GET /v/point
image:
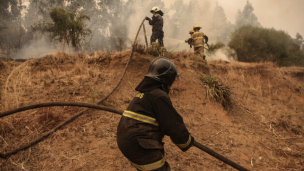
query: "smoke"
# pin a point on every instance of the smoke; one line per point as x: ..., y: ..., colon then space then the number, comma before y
x: 179, y: 19
x: 39, y: 48
x: 225, y: 54
x: 115, y: 23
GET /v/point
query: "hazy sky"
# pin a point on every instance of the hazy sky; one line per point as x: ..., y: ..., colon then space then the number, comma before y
x: 284, y: 15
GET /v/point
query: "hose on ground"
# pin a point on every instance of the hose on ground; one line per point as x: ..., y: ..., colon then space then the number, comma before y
x: 88, y: 105
x: 52, y: 104
x: 109, y: 109
x: 26, y: 146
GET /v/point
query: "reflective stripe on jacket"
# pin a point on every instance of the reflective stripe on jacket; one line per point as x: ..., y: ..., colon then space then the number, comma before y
x: 140, y: 117
x: 186, y: 144
x: 198, y: 39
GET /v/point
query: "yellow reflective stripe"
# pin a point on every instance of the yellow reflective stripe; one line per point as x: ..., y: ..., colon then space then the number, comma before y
x: 198, y: 38
x: 199, y: 45
x: 151, y: 166
x: 140, y: 117
x: 185, y: 145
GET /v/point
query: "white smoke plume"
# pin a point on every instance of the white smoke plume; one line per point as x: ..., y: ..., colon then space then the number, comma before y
x: 225, y: 54
x: 41, y: 47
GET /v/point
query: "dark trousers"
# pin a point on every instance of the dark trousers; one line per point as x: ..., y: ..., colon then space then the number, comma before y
x: 159, y: 35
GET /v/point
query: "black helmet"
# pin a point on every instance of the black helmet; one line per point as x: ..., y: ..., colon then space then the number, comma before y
x: 163, y: 70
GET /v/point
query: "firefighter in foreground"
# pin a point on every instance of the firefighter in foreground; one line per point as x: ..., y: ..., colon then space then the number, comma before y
x: 190, y: 40
x: 149, y: 117
x: 157, y: 24
x: 198, y: 41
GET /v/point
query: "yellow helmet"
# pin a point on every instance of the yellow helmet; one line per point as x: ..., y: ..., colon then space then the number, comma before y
x: 196, y: 27
x: 191, y: 31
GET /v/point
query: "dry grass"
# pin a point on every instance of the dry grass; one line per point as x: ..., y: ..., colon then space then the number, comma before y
x: 140, y: 47
x: 258, y: 139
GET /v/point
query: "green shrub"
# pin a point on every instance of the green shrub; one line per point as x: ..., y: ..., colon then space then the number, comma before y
x: 255, y: 44
x: 155, y: 49
x: 217, y: 91
x: 68, y: 26
x: 216, y: 46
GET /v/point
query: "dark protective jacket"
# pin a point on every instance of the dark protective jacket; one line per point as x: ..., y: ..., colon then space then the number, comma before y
x: 143, y: 125
x: 157, y: 23
x: 198, y: 39
x: 189, y: 41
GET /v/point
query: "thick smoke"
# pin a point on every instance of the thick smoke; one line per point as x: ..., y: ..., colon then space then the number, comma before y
x: 179, y: 19
x: 114, y: 25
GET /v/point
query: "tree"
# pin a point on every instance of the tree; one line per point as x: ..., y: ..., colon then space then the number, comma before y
x: 67, y: 26
x: 256, y: 44
x: 10, y: 10
x: 299, y: 40
x: 247, y: 17
x: 11, y: 30
x: 176, y: 19
x: 38, y: 10
x: 221, y: 28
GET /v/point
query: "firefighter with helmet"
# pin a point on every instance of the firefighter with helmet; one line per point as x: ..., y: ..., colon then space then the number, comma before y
x: 157, y: 24
x: 190, y: 40
x: 198, y: 41
x: 149, y: 117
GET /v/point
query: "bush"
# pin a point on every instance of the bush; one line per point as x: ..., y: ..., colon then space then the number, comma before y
x: 216, y: 46
x: 155, y: 49
x: 139, y: 47
x: 68, y: 26
x: 217, y: 91
x: 255, y: 44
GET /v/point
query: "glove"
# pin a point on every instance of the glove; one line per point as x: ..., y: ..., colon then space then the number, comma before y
x: 147, y: 18
x: 206, y: 38
x: 190, y: 145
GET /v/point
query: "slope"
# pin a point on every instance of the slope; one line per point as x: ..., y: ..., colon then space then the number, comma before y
x: 262, y: 131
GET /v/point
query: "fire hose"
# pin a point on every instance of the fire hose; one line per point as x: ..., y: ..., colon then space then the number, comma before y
x: 99, y: 107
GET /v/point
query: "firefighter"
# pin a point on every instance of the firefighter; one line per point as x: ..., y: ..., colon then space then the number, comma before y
x: 149, y: 117
x: 198, y: 41
x: 190, y: 40
x: 157, y: 23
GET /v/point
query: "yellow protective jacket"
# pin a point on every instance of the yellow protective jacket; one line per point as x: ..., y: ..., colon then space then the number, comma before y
x: 198, y: 39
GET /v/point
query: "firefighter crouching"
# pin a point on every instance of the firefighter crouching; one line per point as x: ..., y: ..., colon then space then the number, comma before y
x: 149, y: 117
x: 198, y: 41
x: 157, y: 23
x: 190, y: 40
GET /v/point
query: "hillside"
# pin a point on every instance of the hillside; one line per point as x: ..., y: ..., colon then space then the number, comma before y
x: 263, y: 130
